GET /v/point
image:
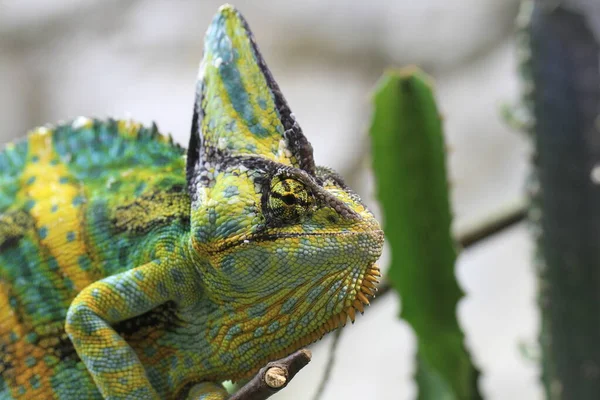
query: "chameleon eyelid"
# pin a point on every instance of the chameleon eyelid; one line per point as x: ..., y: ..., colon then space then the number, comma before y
x: 323, y: 196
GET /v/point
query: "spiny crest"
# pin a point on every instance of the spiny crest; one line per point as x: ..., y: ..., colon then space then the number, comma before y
x: 239, y: 109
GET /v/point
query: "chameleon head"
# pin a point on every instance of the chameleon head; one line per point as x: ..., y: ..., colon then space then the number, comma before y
x: 284, y: 246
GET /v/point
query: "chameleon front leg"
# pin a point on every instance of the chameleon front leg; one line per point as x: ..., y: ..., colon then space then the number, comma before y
x: 113, y: 364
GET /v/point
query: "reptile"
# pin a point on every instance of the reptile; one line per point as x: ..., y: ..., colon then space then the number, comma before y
x: 133, y: 268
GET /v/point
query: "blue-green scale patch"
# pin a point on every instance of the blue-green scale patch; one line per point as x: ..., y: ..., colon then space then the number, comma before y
x: 31, y: 337
x: 33, y: 275
x: 29, y: 204
x: 177, y: 275
x: 78, y: 200
x: 43, y: 232
x: 68, y: 283
x: 228, y: 228
x: 51, y: 360
x: 95, y: 153
x: 84, y: 262
x: 188, y: 362
x: 162, y: 289
x: 243, y: 348
x: 258, y: 332
x: 139, y: 190
x: 245, y: 365
x: 206, y: 364
x: 212, y: 217
x: 231, y: 191
x: 262, y: 103
x: 307, y: 318
x: 291, y: 327
x: 12, y: 163
x: 34, y: 381
x: 219, y: 46
x: 288, y: 305
x: 314, y: 293
x: 72, y: 377
x: 213, y: 332
x: 273, y: 327
x: 257, y: 310
x: 30, y: 361
x: 228, y: 264
x: 226, y: 358
x: 232, y: 332
x: 3, y: 388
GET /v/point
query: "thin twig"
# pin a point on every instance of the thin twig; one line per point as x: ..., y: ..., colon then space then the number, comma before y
x: 273, y: 377
x: 330, y: 364
x: 503, y: 218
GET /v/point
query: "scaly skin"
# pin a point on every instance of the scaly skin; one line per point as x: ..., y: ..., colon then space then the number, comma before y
x: 129, y: 269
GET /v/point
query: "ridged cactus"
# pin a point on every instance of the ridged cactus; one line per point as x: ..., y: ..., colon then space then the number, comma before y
x: 561, y: 80
x: 409, y: 162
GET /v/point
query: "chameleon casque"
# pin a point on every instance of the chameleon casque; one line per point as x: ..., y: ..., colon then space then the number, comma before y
x: 132, y: 268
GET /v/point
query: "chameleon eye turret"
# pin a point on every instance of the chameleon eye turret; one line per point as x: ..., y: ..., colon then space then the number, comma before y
x: 289, y: 200
x: 133, y: 268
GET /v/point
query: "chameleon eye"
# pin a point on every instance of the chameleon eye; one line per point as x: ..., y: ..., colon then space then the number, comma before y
x: 289, y: 200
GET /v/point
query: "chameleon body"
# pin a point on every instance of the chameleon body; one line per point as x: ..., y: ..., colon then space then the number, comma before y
x: 132, y: 268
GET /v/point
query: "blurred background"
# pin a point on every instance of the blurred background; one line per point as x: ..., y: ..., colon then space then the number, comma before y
x: 138, y: 59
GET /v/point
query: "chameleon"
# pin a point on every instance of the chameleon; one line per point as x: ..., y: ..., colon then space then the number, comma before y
x: 133, y: 268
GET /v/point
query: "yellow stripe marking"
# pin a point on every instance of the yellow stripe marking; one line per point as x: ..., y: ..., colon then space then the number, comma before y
x: 58, y: 220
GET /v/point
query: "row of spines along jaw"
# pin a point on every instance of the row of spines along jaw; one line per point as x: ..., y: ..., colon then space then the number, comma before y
x: 367, y: 289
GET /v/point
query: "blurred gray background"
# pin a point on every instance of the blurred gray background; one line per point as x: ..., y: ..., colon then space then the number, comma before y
x: 138, y: 59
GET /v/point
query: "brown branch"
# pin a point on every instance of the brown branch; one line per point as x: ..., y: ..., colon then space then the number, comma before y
x: 273, y: 377
x: 505, y: 217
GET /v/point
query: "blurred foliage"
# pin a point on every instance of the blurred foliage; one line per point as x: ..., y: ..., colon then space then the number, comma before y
x: 410, y: 168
